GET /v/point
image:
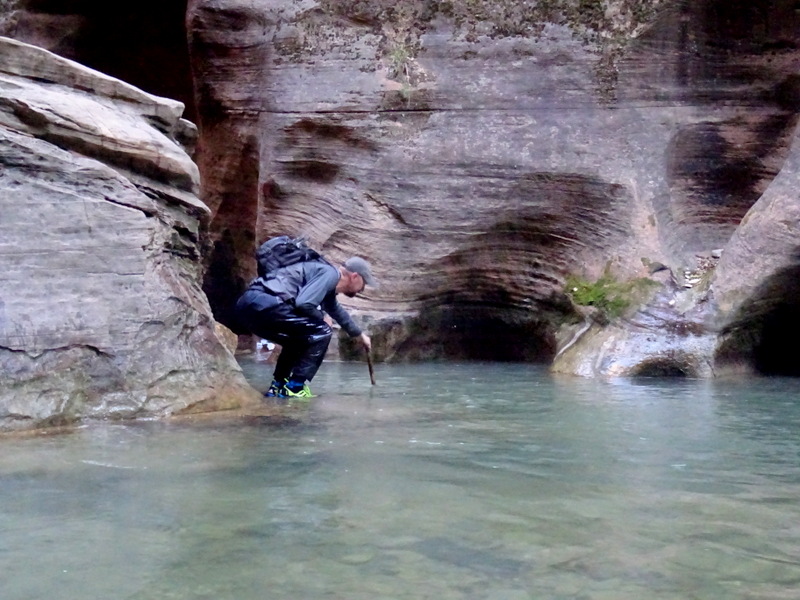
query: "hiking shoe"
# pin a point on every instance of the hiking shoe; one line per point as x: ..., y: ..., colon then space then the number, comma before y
x: 276, y: 390
x: 303, y: 393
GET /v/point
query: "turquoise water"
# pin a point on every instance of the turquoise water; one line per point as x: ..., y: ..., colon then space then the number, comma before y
x: 476, y: 481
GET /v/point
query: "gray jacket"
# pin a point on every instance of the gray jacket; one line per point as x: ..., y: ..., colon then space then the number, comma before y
x: 309, y: 286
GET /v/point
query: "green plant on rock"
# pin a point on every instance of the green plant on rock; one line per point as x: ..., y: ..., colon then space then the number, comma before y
x: 399, y: 57
x: 611, y: 297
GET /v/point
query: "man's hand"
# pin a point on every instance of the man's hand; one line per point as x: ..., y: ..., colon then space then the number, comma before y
x: 365, y: 341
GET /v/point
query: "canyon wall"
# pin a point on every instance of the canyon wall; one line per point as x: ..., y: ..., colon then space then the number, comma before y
x: 603, y: 186
x: 485, y: 154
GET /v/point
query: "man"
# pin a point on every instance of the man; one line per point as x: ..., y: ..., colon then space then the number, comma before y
x: 285, y: 308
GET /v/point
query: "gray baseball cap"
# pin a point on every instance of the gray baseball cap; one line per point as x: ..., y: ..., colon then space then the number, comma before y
x: 356, y: 264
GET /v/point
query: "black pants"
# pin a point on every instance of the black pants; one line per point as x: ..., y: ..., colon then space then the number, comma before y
x: 304, y: 340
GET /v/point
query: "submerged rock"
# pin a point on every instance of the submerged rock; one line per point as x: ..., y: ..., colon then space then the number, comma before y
x: 101, y: 310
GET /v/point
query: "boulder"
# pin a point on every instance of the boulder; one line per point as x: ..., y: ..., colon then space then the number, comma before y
x: 101, y: 310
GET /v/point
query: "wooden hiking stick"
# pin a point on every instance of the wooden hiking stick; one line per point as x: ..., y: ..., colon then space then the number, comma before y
x: 369, y: 364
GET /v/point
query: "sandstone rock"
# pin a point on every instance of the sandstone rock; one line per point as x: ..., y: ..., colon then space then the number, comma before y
x: 228, y: 339
x: 757, y: 282
x: 474, y: 194
x: 101, y: 311
x: 229, y: 51
x: 660, y: 340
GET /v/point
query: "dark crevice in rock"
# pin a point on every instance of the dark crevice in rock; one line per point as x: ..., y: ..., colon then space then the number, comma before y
x: 776, y: 352
x: 662, y: 368
x: 182, y: 243
x: 230, y: 265
x: 47, y: 353
x: 121, y: 158
x: 149, y: 213
x: 169, y: 197
x: 463, y: 331
x: 224, y: 282
x: 14, y: 417
x: 764, y: 334
x: 143, y: 43
x: 387, y: 209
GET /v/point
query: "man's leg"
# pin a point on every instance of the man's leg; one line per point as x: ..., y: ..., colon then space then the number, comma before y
x: 318, y: 339
x: 289, y: 355
x: 261, y: 315
x: 304, y: 342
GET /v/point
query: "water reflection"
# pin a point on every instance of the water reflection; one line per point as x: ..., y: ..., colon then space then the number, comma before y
x: 446, y: 481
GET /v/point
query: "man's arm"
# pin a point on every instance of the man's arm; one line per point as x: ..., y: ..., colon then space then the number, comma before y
x: 331, y: 306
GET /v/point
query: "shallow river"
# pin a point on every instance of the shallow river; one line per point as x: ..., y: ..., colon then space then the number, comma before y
x: 441, y: 482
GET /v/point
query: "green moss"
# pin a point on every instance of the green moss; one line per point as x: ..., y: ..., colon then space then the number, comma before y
x: 611, y: 297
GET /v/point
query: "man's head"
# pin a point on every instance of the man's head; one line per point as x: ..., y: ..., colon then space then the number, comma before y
x: 356, y: 274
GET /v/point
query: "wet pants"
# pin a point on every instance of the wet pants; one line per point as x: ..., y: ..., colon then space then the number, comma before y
x: 304, y: 340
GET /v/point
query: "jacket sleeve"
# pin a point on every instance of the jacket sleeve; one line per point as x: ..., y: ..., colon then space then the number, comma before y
x: 331, y: 306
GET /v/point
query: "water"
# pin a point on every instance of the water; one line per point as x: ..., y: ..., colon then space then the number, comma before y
x: 496, y: 482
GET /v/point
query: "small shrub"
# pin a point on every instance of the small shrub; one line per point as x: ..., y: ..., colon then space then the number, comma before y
x: 608, y: 295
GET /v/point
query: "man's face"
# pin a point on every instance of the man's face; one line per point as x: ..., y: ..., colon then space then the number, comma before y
x: 355, y: 285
